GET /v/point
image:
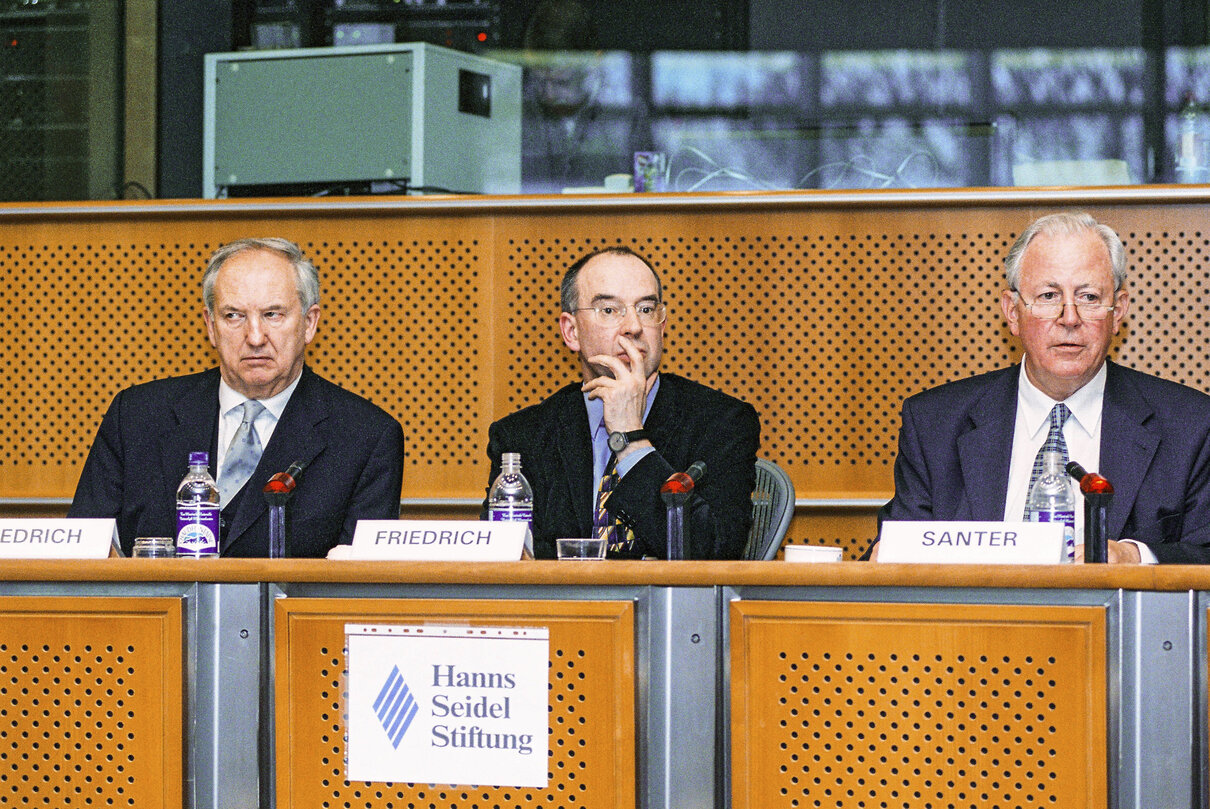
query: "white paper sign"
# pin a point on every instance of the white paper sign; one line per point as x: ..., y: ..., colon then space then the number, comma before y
x: 969, y: 542
x: 57, y: 538
x: 438, y: 540
x: 448, y: 704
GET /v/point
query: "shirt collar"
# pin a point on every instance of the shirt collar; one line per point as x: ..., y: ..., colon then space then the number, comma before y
x: 229, y: 398
x: 596, y: 408
x: 1084, y: 404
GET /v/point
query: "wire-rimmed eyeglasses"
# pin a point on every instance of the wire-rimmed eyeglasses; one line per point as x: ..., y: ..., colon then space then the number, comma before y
x: 649, y: 313
x: 1053, y: 310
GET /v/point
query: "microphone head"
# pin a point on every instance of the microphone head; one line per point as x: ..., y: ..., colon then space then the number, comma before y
x: 281, y: 483
x: 1095, y: 484
x: 683, y: 482
x: 284, y: 482
x: 1090, y: 482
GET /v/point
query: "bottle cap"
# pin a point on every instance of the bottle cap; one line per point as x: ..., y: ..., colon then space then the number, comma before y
x: 199, y: 459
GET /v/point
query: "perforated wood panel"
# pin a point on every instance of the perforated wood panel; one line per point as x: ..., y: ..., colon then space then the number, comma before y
x: 90, y: 702
x: 851, y: 530
x: 592, y: 707
x: 891, y: 705
x: 823, y: 316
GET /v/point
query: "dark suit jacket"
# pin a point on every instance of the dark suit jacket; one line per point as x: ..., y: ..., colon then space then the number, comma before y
x: 353, y: 451
x: 688, y: 422
x: 955, y: 448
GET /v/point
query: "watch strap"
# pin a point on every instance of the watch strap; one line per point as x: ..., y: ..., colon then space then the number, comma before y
x: 630, y: 438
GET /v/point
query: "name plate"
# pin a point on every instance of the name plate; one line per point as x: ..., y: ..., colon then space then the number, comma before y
x: 968, y: 542
x: 57, y: 538
x: 438, y: 540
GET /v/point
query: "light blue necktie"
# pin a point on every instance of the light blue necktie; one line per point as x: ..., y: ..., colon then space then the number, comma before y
x: 242, y: 456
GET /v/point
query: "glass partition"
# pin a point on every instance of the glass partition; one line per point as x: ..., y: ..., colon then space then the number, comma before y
x: 933, y: 95
x: 867, y: 119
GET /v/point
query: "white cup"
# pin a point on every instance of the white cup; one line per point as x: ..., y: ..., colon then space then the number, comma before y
x: 813, y: 553
x: 580, y: 549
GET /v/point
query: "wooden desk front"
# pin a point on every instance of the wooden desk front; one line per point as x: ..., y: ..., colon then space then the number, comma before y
x: 713, y: 684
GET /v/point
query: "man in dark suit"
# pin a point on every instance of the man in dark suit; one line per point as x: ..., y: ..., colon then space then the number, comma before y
x: 261, y: 309
x: 615, y: 437
x: 966, y: 449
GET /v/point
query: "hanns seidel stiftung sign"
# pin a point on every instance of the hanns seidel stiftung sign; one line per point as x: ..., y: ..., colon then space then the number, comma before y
x: 448, y: 704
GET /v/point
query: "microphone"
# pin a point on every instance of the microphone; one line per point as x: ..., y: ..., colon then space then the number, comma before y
x: 1097, y: 493
x: 1090, y: 482
x: 683, y: 482
x: 283, y: 483
x: 675, y: 493
x: 277, y: 492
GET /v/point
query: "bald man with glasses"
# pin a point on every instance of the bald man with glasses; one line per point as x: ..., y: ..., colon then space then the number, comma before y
x: 597, y: 451
x: 968, y: 449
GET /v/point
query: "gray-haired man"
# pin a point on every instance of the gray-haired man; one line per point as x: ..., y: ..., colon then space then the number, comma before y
x: 967, y: 449
x: 258, y: 412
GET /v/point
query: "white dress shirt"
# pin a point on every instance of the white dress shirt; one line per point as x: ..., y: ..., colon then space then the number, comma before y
x: 230, y: 414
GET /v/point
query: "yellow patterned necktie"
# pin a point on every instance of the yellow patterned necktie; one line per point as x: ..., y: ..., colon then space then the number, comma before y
x: 619, y: 538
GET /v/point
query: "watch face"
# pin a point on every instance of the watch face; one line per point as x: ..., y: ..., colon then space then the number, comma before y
x: 617, y: 441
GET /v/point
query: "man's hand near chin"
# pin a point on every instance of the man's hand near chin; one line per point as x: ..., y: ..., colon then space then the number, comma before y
x: 1120, y: 553
x: 624, y: 394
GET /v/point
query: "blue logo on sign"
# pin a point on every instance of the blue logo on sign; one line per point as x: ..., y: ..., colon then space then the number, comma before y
x: 395, y: 707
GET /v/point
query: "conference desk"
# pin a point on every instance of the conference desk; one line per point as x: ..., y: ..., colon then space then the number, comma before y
x: 751, y: 684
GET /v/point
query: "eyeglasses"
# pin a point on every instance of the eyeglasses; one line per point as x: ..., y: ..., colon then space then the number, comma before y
x: 1053, y: 310
x: 649, y: 313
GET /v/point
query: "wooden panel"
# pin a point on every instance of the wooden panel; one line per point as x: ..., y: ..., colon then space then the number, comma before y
x: 917, y: 705
x: 592, y: 707
x: 90, y: 701
x: 824, y: 315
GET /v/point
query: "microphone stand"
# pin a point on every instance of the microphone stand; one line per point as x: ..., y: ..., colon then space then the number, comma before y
x: 1096, y: 521
x: 675, y: 503
x: 277, y: 525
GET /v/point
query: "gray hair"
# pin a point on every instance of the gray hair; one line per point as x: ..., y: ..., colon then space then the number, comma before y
x: 1067, y: 223
x: 569, y: 296
x: 306, y: 280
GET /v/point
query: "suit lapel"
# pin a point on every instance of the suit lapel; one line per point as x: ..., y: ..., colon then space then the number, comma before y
x: 295, y: 438
x: 985, y: 450
x: 1127, y: 445
x: 196, y: 415
x: 575, y: 456
x: 660, y: 423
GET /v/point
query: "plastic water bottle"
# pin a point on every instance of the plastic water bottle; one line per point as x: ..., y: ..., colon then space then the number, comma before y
x: 511, y: 498
x: 1052, y: 499
x: 197, y: 510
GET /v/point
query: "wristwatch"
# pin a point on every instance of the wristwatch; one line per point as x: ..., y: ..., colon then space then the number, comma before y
x: 619, y: 441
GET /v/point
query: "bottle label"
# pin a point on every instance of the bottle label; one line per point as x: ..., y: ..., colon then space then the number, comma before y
x: 197, y: 529
x: 510, y: 514
x: 1068, y: 518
